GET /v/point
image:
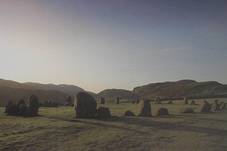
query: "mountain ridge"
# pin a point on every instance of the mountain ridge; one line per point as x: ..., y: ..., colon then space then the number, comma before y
x: 12, y: 90
x: 181, y: 88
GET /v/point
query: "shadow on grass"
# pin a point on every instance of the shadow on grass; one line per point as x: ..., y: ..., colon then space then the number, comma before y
x: 127, y: 123
x: 173, y: 126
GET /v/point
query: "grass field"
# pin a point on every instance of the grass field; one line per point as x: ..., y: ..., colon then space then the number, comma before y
x: 56, y: 129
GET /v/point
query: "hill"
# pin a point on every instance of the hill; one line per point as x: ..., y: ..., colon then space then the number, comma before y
x: 68, y: 89
x: 114, y: 93
x: 182, y: 88
x: 12, y: 90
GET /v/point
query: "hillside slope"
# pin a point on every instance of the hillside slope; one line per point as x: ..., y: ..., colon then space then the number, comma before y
x: 68, y: 89
x: 15, y: 94
x: 182, y: 88
x: 12, y: 90
x: 114, y: 93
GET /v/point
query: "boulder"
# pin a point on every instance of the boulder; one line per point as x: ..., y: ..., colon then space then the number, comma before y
x: 129, y: 113
x: 187, y: 110
x: 162, y: 112
x: 193, y: 102
x: 103, y: 112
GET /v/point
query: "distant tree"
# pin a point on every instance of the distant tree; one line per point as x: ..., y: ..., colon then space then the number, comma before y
x: 33, y: 105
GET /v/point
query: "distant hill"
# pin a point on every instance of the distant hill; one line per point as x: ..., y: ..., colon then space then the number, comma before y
x: 68, y: 89
x: 182, y: 88
x: 14, y: 94
x: 12, y: 90
x: 114, y: 93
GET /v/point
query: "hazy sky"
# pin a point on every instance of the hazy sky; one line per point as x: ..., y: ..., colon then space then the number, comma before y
x: 98, y: 44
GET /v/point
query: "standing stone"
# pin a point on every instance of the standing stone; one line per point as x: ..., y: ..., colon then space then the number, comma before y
x: 157, y: 100
x: 205, y: 107
x: 69, y: 101
x: 185, y: 100
x: 223, y: 106
x: 22, y: 108
x: 145, y: 110
x: 102, y: 100
x: 193, y: 102
x: 118, y: 100
x: 170, y: 102
x: 33, y: 105
x: 103, y: 112
x: 216, y: 106
x: 85, y: 105
x: 11, y: 108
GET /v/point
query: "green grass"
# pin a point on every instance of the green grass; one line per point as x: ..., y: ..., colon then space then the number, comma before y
x: 57, y: 129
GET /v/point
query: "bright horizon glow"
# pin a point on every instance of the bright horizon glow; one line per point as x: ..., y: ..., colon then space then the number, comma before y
x: 102, y: 44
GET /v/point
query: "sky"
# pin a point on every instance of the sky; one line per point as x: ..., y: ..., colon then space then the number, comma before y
x: 100, y: 44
